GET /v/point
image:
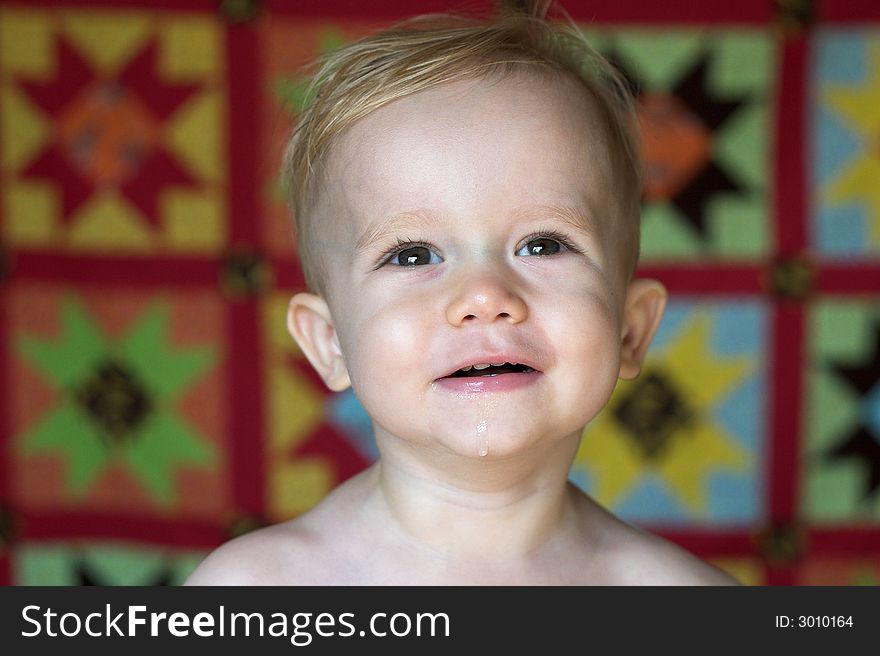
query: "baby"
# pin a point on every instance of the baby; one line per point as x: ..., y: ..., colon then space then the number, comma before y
x: 467, y: 201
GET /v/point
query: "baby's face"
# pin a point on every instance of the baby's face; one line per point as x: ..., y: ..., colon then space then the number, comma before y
x: 467, y: 226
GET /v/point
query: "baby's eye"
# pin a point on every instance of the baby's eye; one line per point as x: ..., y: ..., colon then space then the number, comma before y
x: 542, y: 246
x: 414, y: 256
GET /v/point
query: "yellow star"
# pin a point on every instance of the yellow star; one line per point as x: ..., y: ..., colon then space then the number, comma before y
x: 857, y: 107
x: 691, y: 445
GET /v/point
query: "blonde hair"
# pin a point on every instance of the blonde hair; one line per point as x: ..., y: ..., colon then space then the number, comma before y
x: 430, y: 50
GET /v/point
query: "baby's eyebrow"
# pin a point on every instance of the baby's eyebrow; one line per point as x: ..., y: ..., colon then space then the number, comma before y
x: 573, y: 216
x: 374, y: 233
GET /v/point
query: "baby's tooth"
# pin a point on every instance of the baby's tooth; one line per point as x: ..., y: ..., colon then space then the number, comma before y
x: 497, y: 364
x: 482, y: 366
x: 466, y: 368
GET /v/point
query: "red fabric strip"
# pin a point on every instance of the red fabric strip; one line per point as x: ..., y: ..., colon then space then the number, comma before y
x: 245, y: 378
x: 135, y: 271
x: 244, y: 139
x: 373, y: 11
x: 5, y: 423
x: 845, y: 11
x: 708, y: 278
x: 785, y: 410
x: 849, y: 279
x: 607, y: 11
x: 246, y: 404
x: 710, y: 542
x: 781, y: 576
x: 671, y: 11
x: 288, y: 275
x: 854, y: 540
x: 5, y: 567
x: 790, y: 172
x: 788, y: 320
x: 95, y: 527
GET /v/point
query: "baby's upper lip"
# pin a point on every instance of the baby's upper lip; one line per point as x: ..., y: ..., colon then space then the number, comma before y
x: 512, y: 358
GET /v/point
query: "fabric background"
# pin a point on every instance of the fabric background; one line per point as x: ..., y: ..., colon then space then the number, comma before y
x: 152, y: 404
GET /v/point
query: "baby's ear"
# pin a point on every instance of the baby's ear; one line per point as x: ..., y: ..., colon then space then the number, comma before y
x: 645, y: 302
x: 311, y: 326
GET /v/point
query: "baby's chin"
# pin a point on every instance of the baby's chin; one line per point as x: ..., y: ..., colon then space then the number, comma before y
x: 489, y: 441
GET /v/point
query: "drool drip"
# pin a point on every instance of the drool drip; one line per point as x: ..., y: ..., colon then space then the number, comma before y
x: 482, y: 430
x: 482, y: 439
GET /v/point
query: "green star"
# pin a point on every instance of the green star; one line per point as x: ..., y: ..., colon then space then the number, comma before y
x: 117, y: 401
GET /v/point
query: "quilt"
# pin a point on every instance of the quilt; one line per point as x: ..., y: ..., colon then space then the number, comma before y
x: 153, y: 406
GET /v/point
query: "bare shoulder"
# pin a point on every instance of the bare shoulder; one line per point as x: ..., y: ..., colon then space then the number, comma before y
x: 658, y: 562
x: 646, y: 559
x: 313, y: 549
x: 268, y: 556
x: 630, y: 556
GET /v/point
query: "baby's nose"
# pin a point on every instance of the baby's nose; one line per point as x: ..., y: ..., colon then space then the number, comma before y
x: 486, y: 298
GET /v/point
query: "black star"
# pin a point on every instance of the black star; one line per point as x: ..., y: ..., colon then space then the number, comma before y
x: 863, y: 377
x: 861, y: 445
x: 692, y: 200
x: 115, y: 400
x: 693, y: 91
x: 652, y: 413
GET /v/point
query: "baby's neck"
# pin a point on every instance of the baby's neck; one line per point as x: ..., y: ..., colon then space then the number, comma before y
x: 486, y: 511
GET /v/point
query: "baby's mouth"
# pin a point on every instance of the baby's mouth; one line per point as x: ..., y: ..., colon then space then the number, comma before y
x: 490, y: 370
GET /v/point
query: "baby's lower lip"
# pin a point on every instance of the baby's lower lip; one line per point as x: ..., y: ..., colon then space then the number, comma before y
x: 493, y: 383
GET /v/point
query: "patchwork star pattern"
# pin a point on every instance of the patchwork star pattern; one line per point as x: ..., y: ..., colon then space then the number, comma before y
x: 116, y: 402
x: 844, y: 446
x: 849, y: 90
x: 677, y: 129
x: 109, y: 149
x: 704, y: 153
x: 661, y: 426
x: 107, y: 131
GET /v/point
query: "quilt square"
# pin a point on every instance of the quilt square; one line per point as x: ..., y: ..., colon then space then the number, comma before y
x: 684, y: 443
x: 117, y: 400
x: 113, y: 131
x: 180, y: 414
x: 705, y: 98
x: 845, y: 162
x: 842, y: 451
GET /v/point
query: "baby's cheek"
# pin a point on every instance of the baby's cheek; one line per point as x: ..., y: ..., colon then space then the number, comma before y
x: 387, y: 348
x: 591, y: 345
